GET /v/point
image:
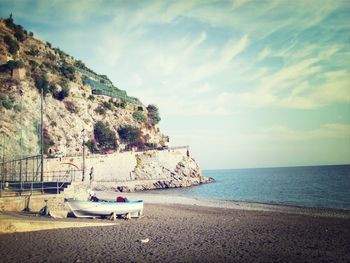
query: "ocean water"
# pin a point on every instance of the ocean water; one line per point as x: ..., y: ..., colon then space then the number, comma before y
x: 310, y: 186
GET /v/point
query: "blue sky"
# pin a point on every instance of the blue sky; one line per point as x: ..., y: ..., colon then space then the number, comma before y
x: 244, y: 83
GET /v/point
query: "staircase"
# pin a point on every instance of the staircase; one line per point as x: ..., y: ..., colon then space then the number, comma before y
x: 78, y: 190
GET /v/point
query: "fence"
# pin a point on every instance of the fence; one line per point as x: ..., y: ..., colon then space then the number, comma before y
x: 25, y: 188
x: 111, y: 91
x: 26, y: 169
x: 53, y: 182
x: 24, y: 176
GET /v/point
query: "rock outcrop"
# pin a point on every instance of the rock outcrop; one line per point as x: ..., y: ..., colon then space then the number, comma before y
x: 154, y: 172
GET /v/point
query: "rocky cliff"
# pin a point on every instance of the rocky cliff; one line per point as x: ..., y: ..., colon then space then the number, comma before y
x: 77, y: 99
x: 28, y: 65
x: 178, y: 172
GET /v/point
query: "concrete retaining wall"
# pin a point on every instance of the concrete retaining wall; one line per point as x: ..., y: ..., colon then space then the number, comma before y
x: 114, y: 167
x: 34, y: 203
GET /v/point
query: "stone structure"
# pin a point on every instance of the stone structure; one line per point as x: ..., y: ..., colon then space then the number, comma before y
x: 19, y: 73
x: 137, y: 170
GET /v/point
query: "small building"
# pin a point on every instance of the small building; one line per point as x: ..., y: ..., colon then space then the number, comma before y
x: 19, y: 73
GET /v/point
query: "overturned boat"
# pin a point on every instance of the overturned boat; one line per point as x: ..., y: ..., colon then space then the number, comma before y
x: 100, y: 209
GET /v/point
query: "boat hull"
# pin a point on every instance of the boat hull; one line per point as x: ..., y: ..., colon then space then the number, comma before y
x: 98, y: 209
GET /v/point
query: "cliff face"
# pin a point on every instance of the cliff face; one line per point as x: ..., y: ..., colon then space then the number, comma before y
x: 75, y: 98
x: 182, y: 171
x: 28, y: 65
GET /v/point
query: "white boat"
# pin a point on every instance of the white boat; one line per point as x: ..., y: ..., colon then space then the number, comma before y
x: 97, y: 209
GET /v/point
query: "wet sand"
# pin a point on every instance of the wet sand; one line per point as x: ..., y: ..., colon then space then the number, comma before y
x: 190, y: 233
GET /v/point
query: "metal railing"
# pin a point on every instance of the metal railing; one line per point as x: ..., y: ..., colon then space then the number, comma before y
x: 26, y: 169
x: 54, y: 182
x: 28, y: 188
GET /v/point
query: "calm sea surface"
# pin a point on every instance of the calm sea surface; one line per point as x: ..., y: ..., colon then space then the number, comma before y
x: 311, y: 186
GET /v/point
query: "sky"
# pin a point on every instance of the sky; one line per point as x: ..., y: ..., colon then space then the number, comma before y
x: 244, y: 83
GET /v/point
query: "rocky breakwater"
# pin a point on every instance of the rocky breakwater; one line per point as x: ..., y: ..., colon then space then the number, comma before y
x: 165, y: 169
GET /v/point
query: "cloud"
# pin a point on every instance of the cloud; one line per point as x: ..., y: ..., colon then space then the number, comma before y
x: 327, y: 131
x: 233, y: 48
x: 217, y: 61
x: 264, y: 53
x: 205, y: 88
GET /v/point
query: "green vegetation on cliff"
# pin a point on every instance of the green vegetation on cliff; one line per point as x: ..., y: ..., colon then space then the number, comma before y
x: 105, y: 136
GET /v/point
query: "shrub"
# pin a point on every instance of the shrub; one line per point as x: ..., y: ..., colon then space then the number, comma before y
x: 122, y: 104
x: 9, y: 22
x: 129, y: 134
x: 139, y: 116
x: 61, y: 53
x: 20, y: 36
x: 100, y: 110
x: 70, y: 106
x: 107, y: 105
x: 79, y: 64
x: 53, y: 89
x: 12, y: 44
x: 91, y: 97
x: 31, y: 34
x: 48, y: 44
x: 50, y: 56
x: 105, y: 136
x: 13, y: 64
x: 41, y: 83
x: 32, y: 52
x: 7, y: 104
x: 58, y: 95
x: 153, y: 114
x: 18, y: 108
x: 33, y: 63
x: 68, y: 71
x: 18, y: 29
x: 92, y: 146
x: 63, y: 93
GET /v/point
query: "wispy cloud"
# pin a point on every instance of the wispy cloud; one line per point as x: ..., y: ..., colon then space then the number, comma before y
x: 327, y: 131
x: 213, y: 59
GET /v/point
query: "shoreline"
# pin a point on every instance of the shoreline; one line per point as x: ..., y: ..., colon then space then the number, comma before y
x: 166, y: 199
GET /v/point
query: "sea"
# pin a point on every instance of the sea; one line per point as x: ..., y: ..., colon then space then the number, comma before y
x: 307, y: 186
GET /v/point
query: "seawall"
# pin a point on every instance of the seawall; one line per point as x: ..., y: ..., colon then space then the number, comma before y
x: 130, y: 171
x: 118, y: 166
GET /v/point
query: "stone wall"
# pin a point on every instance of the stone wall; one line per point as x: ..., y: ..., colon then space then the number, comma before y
x: 32, y: 203
x: 117, y: 166
x: 132, y: 171
x: 18, y: 73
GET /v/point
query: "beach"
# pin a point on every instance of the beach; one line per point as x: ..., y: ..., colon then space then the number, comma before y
x: 174, y: 232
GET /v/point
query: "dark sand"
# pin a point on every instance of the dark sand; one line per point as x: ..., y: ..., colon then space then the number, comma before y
x: 183, y: 233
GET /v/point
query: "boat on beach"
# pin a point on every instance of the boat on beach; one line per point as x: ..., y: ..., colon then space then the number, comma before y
x: 99, y: 209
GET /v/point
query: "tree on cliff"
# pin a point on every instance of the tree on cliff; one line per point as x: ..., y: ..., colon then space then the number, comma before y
x: 153, y: 114
x: 105, y: 136
x: 129, y: 134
